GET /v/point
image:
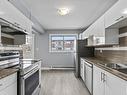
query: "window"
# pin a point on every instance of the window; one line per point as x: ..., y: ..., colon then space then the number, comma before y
x: 62, y: 43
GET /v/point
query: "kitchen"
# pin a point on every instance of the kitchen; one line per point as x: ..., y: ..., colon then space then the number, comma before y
x: 63, y: 47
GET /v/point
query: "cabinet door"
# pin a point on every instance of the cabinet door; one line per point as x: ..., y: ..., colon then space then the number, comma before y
x: 99, y: 27
x: 10, y: 90
x: 29, y: 27
x: 115, y: 13
x: 12, y: 14
x: 80, y: 36
x: 82, y: 69
x: 98, y: 84
x: 89, y: 78
x: 99, y: 31
x: 88, y: 32
x: 85, y: 34
x: 115, y: 85
x: 18, y: 18
x: 5, y: 12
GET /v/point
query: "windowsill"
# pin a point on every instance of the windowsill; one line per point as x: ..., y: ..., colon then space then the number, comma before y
x: 61, y: 51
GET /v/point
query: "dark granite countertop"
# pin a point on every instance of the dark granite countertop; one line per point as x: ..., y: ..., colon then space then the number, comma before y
x: 101, y: 64
x: 6, y: 72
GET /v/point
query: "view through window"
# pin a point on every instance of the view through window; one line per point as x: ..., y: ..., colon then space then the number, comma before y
x: 59, y: 43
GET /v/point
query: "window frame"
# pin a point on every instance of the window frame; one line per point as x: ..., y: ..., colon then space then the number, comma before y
x: 62, y: 51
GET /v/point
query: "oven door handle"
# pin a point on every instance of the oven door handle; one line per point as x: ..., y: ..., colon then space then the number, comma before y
x: 31, y: 72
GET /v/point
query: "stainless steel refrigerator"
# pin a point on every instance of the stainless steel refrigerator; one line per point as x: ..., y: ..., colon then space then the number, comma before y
x: 80, y: 50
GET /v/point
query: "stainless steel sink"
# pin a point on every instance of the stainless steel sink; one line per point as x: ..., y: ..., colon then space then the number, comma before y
x: 116, y: 66
x: 113, y: 66
x: 120, y: 67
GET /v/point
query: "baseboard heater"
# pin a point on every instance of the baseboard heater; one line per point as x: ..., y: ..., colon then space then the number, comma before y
x: 57, y: 68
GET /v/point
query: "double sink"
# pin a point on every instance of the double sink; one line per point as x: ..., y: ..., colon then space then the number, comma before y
x: 120, y: 67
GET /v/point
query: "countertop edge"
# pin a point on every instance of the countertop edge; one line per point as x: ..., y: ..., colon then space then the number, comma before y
x: 110, y: 70
x: 6, y: 72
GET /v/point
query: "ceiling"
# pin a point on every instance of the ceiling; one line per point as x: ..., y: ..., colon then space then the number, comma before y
x: 82, y: 14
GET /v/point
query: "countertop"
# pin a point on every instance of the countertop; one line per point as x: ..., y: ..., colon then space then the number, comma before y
x: 6, y: 72
x: 100, y: 63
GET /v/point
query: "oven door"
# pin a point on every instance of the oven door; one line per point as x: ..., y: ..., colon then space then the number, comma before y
x: 30, y: 83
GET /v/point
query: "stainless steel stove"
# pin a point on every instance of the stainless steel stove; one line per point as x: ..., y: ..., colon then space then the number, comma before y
x: 29, y: 75
x: 27, y: 65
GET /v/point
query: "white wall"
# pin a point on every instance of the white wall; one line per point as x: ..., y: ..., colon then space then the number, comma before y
x: 52, y: 59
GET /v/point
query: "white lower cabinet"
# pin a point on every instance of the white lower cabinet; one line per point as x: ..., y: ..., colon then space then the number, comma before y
x: 98, y: 84
x: 8, y: 85
x: 10, y: 90
x: 88, y: 78
x: 105, y: 83
x: 86, y: 74
x: 115, y: 85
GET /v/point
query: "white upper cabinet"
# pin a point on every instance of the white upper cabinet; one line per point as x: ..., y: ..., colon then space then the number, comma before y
x: 5, y: 12
x: 97, y: 31
x: 29, y: 26
x: 116, y: 13
x: 80, y: 36
x: 100, y: 32
x: 13, y: 15
x: 99, y: 27
x: 88, y: 32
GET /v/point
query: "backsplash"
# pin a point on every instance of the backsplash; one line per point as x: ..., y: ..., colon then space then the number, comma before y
x: 115, y: 56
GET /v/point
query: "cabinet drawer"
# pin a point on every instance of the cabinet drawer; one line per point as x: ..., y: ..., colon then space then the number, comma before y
x: 5, y: 82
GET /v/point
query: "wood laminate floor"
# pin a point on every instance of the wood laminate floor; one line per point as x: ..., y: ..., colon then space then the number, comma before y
x: 62, y: 83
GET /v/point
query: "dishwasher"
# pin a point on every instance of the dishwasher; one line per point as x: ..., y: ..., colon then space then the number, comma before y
x: 89, y: 76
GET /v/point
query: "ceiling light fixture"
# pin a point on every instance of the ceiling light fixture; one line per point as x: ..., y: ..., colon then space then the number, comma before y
x: 63, y: 11
x: 125, y: 11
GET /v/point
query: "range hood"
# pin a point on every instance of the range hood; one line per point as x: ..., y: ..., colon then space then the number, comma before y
x: 9, y: 28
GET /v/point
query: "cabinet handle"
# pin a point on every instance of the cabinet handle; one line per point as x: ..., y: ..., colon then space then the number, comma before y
x: 85, y: 72
x: 17, y: 24
x: 101, y: 76
x: 119, y: 18
x: 104, y: 77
